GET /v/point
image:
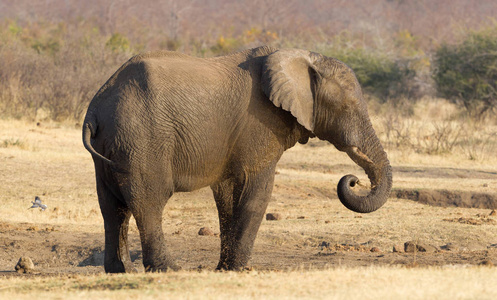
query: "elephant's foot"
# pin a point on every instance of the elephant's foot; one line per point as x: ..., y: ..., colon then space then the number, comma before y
x: 231, y: 266
x: 161, y: 267
x: 119, y: 267
x: 222, y: 266
x: 130, y: 268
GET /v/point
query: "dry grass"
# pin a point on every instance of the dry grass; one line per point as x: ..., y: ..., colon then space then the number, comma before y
x: 435, y: 129
x: 339, y: 283
x: 51, y: 164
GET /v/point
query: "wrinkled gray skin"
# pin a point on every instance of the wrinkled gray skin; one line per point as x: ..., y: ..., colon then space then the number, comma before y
x: 167, y: 122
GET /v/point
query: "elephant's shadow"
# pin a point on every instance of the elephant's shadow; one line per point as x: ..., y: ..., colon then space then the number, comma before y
x: 96, y: 257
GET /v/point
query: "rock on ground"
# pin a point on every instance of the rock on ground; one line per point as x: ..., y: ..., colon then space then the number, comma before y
x: 419, y: 246
x: 25, y: 265
x: 398, y: 248
x: 206, y: 231
x: 273, y: 216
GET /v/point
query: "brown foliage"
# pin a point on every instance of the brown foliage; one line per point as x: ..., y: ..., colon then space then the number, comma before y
x: 57, y: 53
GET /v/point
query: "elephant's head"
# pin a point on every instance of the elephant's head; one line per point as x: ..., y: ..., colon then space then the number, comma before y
x: 325, y: 97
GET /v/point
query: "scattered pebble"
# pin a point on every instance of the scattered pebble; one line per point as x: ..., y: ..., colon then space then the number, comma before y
x: 419, y: 246
x: 487, y: 263
x: 273, y: 216
x: 479, y: 220
x: 33, y: 228
x: 324, y: 244
x: 398, y: 248
x: 450, y: 247
x: 206, y: 231
x: 25, y: 265
x: 493, y: 213
x: 375, y: 249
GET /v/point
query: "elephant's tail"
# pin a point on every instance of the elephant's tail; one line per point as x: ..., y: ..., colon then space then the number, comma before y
x: 89, y: 132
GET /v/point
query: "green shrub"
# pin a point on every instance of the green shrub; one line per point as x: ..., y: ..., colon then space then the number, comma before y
x: 225, y: 45
x: 467, y: 72
x: 379, y: 74
x: 118, y: 43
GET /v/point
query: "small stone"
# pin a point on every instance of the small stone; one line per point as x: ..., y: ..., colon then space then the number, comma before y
x: 410, y: 247
x: 301, y: 217
x: 273, y: 216
x: 413, y: 246
x: 206, y: 231
x: 25, y: 265
x: 486, y: 263
x: 450, y: 247
x: 398, y: 248
x: 324, y: 244
x: 493, y: 213
x: 375, y: 249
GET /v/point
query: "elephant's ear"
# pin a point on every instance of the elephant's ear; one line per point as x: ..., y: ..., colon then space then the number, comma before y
x: 287, y: 80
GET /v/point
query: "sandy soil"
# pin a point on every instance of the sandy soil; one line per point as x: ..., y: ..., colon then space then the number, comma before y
x: 446, y: 210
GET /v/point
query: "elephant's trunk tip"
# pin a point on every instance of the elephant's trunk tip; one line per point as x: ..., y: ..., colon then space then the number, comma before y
x: 363, y: 204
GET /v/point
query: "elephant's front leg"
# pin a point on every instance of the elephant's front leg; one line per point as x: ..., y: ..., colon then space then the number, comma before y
x: 241, y: 216
x: 223, y: 194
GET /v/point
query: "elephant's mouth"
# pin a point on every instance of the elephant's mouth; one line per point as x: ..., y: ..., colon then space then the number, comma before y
x: 357, y: 155
x: 364, y: 162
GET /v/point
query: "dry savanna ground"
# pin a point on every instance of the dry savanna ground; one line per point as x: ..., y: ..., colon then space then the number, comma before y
x: 442, y: 201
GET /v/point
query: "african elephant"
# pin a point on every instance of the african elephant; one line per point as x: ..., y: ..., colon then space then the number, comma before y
x: 166, y: 122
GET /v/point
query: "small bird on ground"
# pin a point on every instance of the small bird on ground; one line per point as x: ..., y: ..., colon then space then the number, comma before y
x: 37, y: 203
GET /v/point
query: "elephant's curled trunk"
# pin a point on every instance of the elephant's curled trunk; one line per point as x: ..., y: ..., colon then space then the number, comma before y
x: 379, y: 171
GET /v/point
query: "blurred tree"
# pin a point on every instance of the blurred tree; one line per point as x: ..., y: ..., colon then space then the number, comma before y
x: 118, y: 43
x: 467, y: 72
x: 174, y: 11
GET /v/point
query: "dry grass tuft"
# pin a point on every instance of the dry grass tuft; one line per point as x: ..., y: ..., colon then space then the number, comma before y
x: 340, y: 283
x: 436, y: 128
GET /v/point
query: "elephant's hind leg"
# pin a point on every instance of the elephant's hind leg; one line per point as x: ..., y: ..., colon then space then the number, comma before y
x: 147, y: 207
x: 116, y: 216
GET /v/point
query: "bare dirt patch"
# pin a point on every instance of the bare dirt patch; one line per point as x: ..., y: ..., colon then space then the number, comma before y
x: 56, y: 252
x: 446, y: 198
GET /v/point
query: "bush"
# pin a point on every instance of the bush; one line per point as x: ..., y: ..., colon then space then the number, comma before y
x: 53, y: 68
x: 467, y: 72
x: 379, y: 74
x: 118, y: 43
